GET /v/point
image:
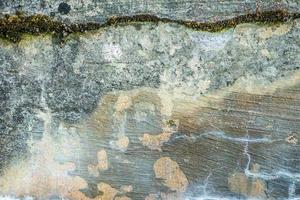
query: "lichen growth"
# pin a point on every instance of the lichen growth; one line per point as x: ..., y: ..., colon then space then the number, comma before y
x: 13, y: 26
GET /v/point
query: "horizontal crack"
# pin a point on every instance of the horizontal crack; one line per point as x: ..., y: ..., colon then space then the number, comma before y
x: 13, y: 26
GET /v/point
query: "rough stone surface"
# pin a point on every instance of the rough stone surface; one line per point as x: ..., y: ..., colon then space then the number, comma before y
x: 100, y: 10
x: 151, y: 110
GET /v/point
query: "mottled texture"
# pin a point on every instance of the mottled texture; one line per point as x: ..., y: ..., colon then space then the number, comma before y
x: 152, y: 110
x: 100, y: 10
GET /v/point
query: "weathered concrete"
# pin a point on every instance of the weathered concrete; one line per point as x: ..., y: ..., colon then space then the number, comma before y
x: 152, y: 110
x: 100, y: 10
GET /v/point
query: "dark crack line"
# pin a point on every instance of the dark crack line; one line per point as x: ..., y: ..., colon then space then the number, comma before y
x: 13, y: 26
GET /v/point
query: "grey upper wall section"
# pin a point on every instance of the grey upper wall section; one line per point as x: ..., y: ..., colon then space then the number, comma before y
x: 82, y: 11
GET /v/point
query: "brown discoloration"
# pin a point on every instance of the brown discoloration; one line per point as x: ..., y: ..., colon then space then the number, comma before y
x: 239, y: 183
x: 258, y: 189
x: 219, y: 109
x: 101, y: 120
x: 154, y: 142
x: 171, y: 174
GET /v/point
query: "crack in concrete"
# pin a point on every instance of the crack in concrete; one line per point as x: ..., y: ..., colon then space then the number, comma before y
x: 13, y: 26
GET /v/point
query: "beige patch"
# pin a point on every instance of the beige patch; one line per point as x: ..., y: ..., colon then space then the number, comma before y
x: 155, y: 142
x: 268, y: 32
x: 126, y: 188
x: 42, y: 176
x: 123, y: 143
x: 166, y: 102
x: 102, y: 160
x: 254, y: 85
x: 123, y: 103
x: 292, y: 139
x: 109, y: 192
x: 265, y: 53
x: 102, y: 164
x: 170, y: 173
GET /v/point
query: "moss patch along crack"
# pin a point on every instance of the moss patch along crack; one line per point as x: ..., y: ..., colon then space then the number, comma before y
x: 13, y: 26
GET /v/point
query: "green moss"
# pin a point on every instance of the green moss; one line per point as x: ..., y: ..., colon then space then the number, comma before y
x: 171, y: 123
x: 12, y: 27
